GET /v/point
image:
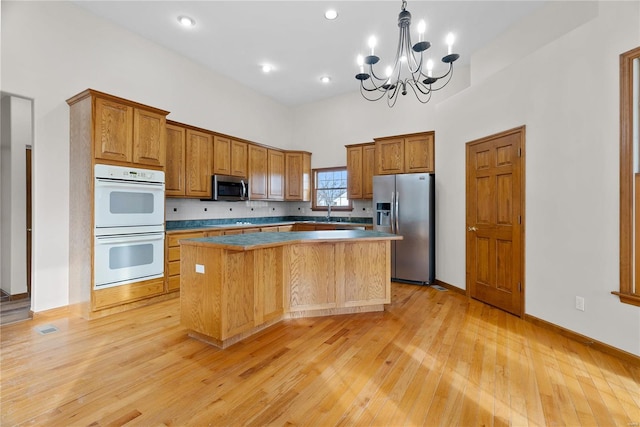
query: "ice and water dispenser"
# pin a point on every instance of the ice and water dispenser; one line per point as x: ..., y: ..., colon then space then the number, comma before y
x: 383, y: 217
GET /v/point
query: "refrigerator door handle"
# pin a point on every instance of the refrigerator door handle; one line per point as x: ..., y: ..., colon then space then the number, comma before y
x: 393, y: 215
x: 397, y: 209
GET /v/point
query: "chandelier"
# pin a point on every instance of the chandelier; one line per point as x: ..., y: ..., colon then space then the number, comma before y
x: 408, y: 70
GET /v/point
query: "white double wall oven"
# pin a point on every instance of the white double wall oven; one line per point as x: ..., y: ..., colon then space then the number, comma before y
x: 128, y: 225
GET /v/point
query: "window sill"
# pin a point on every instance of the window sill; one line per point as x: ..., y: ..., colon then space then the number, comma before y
x: 628, y: 298
x: 333, y: 209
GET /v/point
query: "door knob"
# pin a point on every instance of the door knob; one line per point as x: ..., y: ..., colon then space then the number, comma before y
x: 473, y: 228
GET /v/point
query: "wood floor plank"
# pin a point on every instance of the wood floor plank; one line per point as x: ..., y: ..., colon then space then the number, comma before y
x: 431, y: 358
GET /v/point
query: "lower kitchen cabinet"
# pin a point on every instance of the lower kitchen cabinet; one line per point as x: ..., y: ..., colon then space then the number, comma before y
x: 118, y: 295
x: 172, y: 256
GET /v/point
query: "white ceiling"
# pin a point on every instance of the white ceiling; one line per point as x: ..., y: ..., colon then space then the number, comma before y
x: 234, y: 38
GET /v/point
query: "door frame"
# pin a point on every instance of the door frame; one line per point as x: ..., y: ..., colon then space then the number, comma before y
x: 521, y: 156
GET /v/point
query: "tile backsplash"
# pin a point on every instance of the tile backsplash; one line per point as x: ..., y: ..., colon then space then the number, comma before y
x: 187, y: 209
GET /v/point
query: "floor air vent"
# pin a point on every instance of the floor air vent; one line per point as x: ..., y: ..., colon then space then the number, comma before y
x: 438, y: 287
x: 46, y: 329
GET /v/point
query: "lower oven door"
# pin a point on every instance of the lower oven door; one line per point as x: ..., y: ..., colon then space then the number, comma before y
x: 128, y: 258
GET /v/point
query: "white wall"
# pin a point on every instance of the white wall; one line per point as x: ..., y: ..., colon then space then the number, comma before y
x: 566, y: 93
x: 54, y: 50
x: 16, y: 136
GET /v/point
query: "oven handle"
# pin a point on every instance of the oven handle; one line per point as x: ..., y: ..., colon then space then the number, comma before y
x: 127, y: 184
x: 104, y: 240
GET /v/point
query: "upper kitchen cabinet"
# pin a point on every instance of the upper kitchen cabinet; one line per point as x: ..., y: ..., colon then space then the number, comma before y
x: 189, y: 161
x: 124, y: 132
x: 275, y: 188
x: 257, y: 172
x: 405, y: 154
x: 266, y: 173
x: 297, y: 176
x: 229, y: 157
x: 198, y: 163
x: 175, y: 179
x: 360, y: 167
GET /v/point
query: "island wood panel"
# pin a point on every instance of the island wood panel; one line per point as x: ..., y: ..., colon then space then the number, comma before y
x: 200, y: 294
x: 237, y: 297
x: 268, y: 280
x: 311, y: 283
x: 361, y: 272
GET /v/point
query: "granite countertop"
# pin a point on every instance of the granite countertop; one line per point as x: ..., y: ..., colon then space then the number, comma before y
x: 193, y: 225
x: 243, y: 242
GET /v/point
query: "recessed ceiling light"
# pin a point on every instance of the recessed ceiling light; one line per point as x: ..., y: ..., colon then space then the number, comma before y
x: 331, y: 14
x: 325, y: 79
x: 267, y: 68
x: 186, y: 21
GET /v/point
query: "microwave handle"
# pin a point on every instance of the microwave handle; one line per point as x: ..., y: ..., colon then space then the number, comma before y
x: 244, y: 190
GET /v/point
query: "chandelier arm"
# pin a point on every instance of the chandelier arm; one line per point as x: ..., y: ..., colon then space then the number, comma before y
x: 364, y: 94
x: 450, y: 74
x: 428, y: 94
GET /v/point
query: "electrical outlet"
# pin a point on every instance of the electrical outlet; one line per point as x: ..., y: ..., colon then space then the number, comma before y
x: 580, y: 303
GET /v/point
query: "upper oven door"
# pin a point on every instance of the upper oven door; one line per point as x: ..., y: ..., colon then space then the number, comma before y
x: 121, y: 203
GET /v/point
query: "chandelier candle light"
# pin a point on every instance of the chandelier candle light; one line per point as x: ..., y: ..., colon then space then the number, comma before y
x: 407, y: 70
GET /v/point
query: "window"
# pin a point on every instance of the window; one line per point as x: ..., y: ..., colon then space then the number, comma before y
x: 330, y: 188
x: 629, y: 177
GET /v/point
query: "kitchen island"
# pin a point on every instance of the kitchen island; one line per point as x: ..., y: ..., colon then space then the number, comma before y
x: 236, y: 285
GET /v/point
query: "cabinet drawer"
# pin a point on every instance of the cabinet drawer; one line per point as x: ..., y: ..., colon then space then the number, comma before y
x: 173, y: 284
x: 174, y: 268
x: 174, y: 239
x: 117, y: 295
x: 173, y: 254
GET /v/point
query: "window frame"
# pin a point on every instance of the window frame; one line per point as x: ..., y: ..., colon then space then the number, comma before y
x: 314, y: 191
x: 628, y: 293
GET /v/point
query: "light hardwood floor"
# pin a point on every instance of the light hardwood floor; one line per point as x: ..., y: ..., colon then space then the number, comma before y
x: 431, y: 358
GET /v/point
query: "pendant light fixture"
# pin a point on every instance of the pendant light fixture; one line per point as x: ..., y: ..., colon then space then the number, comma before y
x: 409, y: 69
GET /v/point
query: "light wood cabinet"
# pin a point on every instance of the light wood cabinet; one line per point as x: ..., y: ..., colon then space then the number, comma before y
x: 257, y: 172
x: 297, y: 176
x: 266, y: 173
x: 128, y: 133
x: 175, y: 179
x: 229, y: 157
x: 221, y: 155
x: 275, y: 172
x: 172, y: 257
x: 198, y: 162
x: 360, y: 168
x: 405, y: 154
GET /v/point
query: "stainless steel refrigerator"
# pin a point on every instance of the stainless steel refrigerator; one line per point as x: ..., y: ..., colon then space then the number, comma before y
x: 405, y: 205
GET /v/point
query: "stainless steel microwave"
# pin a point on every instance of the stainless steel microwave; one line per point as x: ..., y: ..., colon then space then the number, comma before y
x: 229, y: 188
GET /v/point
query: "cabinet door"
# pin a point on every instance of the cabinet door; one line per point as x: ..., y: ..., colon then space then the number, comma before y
x: 368, y: 166
x: 275, y: 188
x: 418, y: 154
x: 221, y: 155
x: 257, y: 172
x: 149, y: 133
x: 239, y: 159
x: 175, y: 172
x: 354, y: 172
x: 113, y: 131
x: 199, y: 157
x: 297, y: 176
x: 390, y: 156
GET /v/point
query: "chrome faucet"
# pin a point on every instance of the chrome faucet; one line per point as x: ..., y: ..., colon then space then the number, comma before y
x: 329, y: 212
